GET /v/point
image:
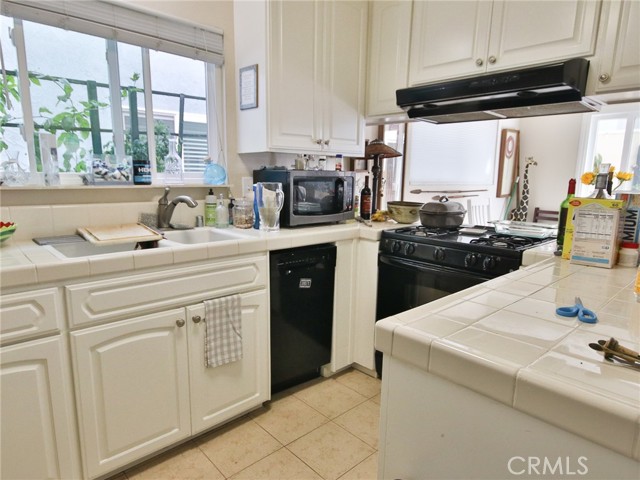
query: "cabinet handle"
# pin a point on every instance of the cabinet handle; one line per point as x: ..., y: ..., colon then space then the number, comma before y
x: 492, y: 59
x: 319, y: 141
x: 180, y: 322
x: 479, y: 62
x: 604, y: 77
x: 326, y: 142
x: 196, y: 318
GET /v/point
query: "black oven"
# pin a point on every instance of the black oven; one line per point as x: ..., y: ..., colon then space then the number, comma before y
x: 417, y: 265
x: 312, y: 196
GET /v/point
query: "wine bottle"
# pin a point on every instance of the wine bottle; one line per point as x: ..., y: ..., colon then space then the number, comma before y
x: 564, y: 210
x: 365, y: 200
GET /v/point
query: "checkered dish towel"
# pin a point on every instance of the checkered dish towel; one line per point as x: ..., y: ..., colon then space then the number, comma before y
x: 223, y: 338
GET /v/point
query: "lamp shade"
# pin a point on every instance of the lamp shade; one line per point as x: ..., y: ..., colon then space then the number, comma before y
x: 378, y: 148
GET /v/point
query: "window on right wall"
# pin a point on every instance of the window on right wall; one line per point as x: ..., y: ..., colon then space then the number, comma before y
x: 610, y: 136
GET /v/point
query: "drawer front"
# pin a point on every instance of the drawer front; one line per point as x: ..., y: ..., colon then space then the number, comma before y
x: 135, y: 294
x: 30, y: 314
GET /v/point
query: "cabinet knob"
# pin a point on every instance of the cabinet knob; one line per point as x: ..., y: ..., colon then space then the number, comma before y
x: 196, y: 318
x: 319, y: 141
x: 479, y: 62
x: 326, y: 142
x: 604, y: 77
x: 492, y: 59
x: 180, y: 322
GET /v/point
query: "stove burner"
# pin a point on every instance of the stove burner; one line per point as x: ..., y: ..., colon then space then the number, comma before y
x: 504, y: 241
x: 422, y: 231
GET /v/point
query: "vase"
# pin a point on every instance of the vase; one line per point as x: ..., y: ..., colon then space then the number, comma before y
x: 173, y: 173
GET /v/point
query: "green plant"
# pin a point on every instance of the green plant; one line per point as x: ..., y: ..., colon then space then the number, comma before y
x: 139, y: 148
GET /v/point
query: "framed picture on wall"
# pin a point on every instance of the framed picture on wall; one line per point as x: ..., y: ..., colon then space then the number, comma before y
x: 509, y: 155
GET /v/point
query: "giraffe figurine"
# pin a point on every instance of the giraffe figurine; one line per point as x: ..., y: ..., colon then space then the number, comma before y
x: 519, y: 214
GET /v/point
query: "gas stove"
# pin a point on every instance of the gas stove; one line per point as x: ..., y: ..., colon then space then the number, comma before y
x: 489, y: 254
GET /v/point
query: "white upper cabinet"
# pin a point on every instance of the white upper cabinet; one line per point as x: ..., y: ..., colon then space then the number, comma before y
x: 389, y: 39
x: 465, y: 38
x: 312, y: 72
x: 617, y: 66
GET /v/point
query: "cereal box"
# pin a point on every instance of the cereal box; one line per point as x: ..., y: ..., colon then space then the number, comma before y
x: 593, y: 231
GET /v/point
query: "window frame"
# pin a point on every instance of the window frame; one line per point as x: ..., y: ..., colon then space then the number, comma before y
x: 588, y: 137
x: 214, y: 97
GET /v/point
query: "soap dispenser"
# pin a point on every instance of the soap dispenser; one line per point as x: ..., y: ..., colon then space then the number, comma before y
x: 210, y: 209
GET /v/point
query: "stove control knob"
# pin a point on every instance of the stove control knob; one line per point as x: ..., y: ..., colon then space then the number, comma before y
x: 439, y: 254
x: 410, y: 249
x: 470, y: 260
x: 489, y: 263
x: 396, y: 246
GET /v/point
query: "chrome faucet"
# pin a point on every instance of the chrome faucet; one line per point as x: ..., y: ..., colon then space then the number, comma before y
x: 166, y: 208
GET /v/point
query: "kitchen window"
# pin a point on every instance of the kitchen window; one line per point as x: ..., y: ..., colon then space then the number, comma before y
x: 614, y: 135
x: 113, y: 82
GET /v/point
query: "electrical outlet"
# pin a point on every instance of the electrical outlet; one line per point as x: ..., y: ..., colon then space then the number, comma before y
x: 247, y: 186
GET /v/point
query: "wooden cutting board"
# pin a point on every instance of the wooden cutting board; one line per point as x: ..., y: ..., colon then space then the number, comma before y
x: 114, y: 234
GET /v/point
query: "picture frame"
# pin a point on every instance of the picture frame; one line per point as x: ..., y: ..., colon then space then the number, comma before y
x: 248, y: 78
x: 508, y: 161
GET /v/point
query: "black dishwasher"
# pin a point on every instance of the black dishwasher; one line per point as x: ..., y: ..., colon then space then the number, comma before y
x: 301, y: 282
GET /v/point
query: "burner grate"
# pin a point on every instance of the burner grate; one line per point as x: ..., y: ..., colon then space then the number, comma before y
x: 504, y: 241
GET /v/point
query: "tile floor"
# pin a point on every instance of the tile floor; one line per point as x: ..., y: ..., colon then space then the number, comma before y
x: 324, y: 429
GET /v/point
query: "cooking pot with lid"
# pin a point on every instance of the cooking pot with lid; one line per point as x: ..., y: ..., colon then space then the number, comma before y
x: 442, y: 214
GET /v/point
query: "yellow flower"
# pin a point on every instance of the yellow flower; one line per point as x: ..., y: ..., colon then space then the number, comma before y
x: 588, y: 178
x: 624, y: 176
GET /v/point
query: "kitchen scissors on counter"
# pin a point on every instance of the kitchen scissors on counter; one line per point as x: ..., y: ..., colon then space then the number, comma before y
x: 584, y: 314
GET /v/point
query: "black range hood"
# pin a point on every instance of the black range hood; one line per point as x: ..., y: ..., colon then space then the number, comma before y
x: 552, y: 89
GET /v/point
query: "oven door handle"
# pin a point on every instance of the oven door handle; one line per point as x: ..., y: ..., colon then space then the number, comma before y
x: 427, y: 268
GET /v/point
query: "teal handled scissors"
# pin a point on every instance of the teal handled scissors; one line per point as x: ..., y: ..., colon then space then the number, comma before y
x: 584, y: 314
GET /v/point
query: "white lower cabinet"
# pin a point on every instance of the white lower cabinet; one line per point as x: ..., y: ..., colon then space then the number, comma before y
x: 38, y: 436
x: 142, y: 384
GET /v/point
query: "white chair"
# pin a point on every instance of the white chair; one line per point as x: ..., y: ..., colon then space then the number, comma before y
x: 478, y: 211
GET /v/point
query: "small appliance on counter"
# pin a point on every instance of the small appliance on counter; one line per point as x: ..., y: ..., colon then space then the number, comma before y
x: 312, y: 197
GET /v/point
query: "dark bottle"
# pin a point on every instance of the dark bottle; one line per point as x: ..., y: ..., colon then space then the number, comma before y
x: 564, y: 209
x: 230, y: 210
x: 141, y: 172
x: 365, y: 200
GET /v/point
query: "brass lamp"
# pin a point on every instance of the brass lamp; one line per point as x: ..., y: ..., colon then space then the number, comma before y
x: 377, y: 150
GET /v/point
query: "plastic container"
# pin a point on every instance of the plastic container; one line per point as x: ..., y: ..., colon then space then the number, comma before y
x: 628, y: 254
x: 210, y: 209
x: 243, y: 213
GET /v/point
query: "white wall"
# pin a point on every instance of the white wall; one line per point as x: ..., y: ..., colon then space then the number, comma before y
x: 553, y: 142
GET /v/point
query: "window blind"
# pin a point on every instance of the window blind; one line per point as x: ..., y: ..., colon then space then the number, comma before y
x: 117, y: 22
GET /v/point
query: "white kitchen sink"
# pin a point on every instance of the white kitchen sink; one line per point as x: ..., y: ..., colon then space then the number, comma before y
x: 200, y: 235
x: 88, y: 249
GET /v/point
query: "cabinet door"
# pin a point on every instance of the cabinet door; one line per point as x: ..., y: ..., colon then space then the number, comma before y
x: 390, y: 23
x: 530, y: 32
x: 345, y: 42
x: 448, y: 38
x: 618, y: 68
x: 295, y: 48
x: 221, y: 393
x: 132, y: 388
x: 38, y: 433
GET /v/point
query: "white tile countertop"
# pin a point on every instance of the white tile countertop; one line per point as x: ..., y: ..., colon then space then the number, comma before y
x: 504, y: 340
x: 23, y: 262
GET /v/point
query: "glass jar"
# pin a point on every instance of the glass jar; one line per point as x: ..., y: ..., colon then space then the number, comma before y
x: 243, y: 216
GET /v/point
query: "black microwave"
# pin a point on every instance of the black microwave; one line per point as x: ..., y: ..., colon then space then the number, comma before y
x: 312, y: 196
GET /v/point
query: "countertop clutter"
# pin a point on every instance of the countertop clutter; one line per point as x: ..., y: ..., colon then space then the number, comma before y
x: 504, y: 340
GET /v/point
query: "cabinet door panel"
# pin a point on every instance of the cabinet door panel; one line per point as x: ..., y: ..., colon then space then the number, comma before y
x: 220, y: 393
x: 30, y: 314
x: 529, y: 32
x: 344, y: 76
x: 38, y: 437
x: 295, y: 46
x: 388, y: 55
x: 447, y: 39
x: 133, y: 389
x: 620, y: 55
